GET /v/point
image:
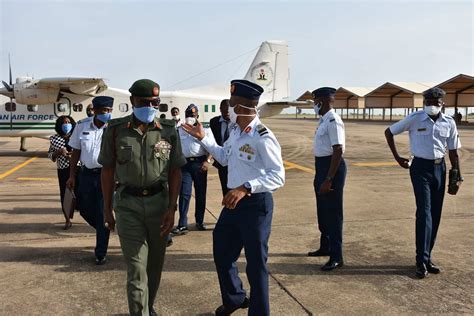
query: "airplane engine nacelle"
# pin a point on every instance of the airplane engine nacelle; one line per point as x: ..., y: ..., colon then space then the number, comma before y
x: 36, y: 96
x: 84, y: 88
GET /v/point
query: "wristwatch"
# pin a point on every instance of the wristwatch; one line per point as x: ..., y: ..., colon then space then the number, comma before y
x: 328, y: 178
x: 248, y: 187
x: 211, y: 161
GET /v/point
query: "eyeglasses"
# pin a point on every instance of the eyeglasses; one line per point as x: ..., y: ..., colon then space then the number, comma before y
x: 139, y: 102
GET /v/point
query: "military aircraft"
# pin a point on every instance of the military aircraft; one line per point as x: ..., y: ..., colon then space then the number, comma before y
x: 29, y: 107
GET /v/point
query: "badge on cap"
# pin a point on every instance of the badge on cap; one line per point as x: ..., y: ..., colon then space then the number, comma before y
x: 155, y: 91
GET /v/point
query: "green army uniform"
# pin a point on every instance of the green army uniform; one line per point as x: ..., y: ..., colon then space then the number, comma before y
x: 142, y: 162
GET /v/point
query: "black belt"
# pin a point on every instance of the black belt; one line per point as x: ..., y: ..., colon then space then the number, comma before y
x: 200, y: 158
x: 434, y: 161
x: 94, y: 170
x: 142, y: 192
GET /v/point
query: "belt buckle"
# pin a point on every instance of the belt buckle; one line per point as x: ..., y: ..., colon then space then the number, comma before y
x: 438, y: 161
x: 145, y: 192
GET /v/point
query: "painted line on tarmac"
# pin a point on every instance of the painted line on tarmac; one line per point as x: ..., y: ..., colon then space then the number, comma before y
x: 292, y: 165
x: 35, y: 179
x: 16, y: 168
x: 375, y: 164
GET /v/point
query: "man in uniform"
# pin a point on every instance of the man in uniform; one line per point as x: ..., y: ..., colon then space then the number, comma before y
x: 220, y: 127
x: 195, y: 170
x: 329, y: 146
x: 175, y: 115
x: 144, y: 154
x: 253, y: 156
x: 86, y: 141
x: 431, y: 132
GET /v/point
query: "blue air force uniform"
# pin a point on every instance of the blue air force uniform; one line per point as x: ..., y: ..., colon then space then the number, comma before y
x: 87, y: 138
x: 253, y: 157
x: 329, y: 206
x: 196, y: 155
x: 428, y: 143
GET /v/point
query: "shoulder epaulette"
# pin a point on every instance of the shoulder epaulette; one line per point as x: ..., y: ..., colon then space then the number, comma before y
x: 332, y: 120
x: 168, y: 122
x: 118, y: 121
x: 262, y: 130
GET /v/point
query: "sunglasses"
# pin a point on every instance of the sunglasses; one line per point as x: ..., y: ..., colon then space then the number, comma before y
x: 147, y: 102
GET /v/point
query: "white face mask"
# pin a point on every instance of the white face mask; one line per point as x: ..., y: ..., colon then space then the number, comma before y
x: 233, y: 116
x: 176, y: 117
x: 190, y: 120
x: 432, y: 109
x: 317, y: 107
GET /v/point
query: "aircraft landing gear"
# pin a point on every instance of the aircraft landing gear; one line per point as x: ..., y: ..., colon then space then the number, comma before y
x: 23, y: 144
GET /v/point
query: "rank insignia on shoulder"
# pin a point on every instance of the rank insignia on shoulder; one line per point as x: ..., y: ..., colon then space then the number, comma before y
x: 262, y: 130
x: 332, y: 120
x: 422, y: 129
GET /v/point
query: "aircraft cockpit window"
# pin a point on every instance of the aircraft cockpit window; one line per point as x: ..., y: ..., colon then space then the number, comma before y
x: 32, y: 107
x: 10, y: 107
x: 123, y: 107
x: 61, y: 107
x: 77, y: 107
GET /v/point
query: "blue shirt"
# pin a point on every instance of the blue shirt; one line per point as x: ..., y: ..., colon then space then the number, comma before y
x: 428, y: 139
x: 329, y: 133
x: 252, y: 155
x: 87, y: 138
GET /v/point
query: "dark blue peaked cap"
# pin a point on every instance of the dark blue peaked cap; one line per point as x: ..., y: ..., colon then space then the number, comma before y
x: 192, y: 108
x: 245, y: 89
x: 434, y: 93
x: 324, y: 92
x: 102, y: 101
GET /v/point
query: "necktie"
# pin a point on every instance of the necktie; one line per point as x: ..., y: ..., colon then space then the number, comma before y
x: 226, y: 133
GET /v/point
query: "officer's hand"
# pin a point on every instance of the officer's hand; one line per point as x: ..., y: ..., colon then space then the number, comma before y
x: 109, y: 220
x: 325, y: 187
x: 233, y: 197
x: 167, y: 223
x: 195, y: 130
x: 204, y: 166
x: 403, y: 162
x: 71, y: 183
x: 62, y: 151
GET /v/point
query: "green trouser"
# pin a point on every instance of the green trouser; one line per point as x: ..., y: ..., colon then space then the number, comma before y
x: 138, y: 226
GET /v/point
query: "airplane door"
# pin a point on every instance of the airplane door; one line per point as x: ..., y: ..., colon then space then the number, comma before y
x: 62, y: 107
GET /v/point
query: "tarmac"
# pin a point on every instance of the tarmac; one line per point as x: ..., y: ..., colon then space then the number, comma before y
x: 47, y: 271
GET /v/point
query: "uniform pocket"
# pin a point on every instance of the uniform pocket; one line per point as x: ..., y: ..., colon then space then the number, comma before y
x: 124, y: 154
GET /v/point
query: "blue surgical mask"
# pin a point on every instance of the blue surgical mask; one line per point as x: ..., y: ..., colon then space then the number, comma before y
x: 317, y: 108
x: 66, y: 128
x: 145, y: 114
x: 105, y: 117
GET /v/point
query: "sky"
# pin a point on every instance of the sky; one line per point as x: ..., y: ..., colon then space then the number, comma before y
x: 331, y: 43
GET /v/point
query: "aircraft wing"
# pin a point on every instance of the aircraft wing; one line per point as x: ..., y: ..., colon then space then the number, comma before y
x: 74, y: 85
x: 284, y: 104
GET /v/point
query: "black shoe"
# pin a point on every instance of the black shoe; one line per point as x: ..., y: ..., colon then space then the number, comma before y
x: 421, y: 271
x: 318, y: 253
x: 100, y: 261
x: 151, y: 311
x: 180, y: 230
x: 201, y: 227
x: 169, y: 243
x: 332, y: 264
x: 432, y: 268
x: 225, y: 310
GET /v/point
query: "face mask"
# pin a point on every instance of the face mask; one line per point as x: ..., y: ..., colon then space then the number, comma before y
x: 191, y: 120
x: 66, y: 128
x: 176, y: 117
x: 233, y: 116
x: 145, y: 114
x: 317, y: 107
x: 89, y: 113
x: 432, y: 109
x: 105, y: 117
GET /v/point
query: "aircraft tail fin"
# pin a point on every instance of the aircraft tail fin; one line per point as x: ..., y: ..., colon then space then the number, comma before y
x: 270, y: 70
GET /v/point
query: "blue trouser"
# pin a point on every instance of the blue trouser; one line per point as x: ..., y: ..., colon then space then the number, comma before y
x: 429, y: 183
x: 247, y: 226
x: 92, y: 207
x: 190, y: 172
x: 329, y: 206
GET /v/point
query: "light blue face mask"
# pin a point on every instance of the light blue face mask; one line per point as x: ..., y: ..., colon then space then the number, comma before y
x: 66, y: 128
x: 317, y: 108
x: 145, y: 114
x: 105, y: 117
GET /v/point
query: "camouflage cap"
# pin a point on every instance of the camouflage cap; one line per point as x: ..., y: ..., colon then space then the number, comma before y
x: 145, y: 88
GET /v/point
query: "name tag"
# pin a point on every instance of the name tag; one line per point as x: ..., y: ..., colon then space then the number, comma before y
x: 422, y: 129
x: 85, y: 133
